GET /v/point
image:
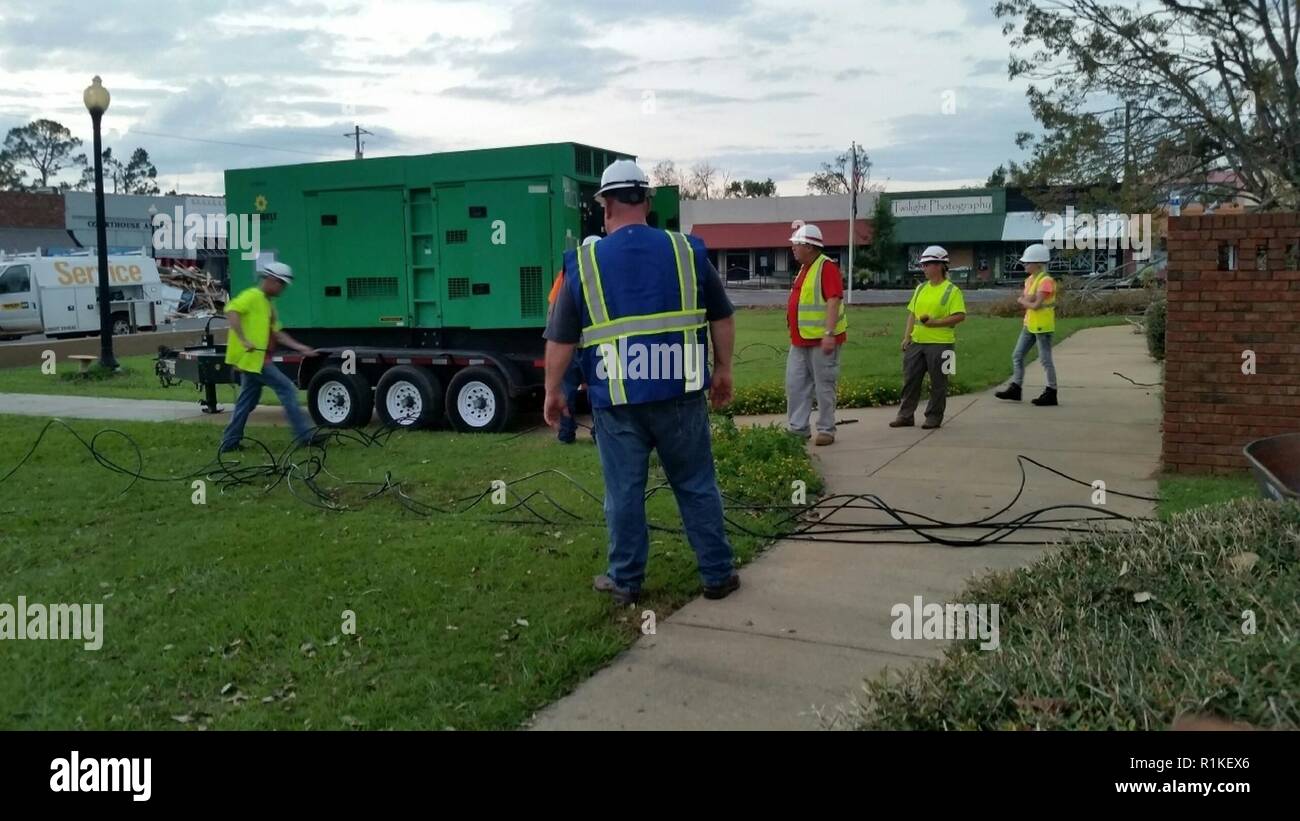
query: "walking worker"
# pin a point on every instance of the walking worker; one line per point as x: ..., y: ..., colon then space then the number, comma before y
x: 639, y: 307
x: 818, y: 327
x: 937, y: 307
x: 568, y: 429
x: 253, y: 328
x: 1039, y: 301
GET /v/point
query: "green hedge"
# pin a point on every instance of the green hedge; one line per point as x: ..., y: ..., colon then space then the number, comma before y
x: 769, y: 397
x: 1126, y: 630
x: 1156, y: 317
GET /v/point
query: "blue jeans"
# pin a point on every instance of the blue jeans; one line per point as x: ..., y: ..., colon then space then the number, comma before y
x: 678, y: 429
x: 1023, y: 345
x: 572, y: 379
x: 250, y: 391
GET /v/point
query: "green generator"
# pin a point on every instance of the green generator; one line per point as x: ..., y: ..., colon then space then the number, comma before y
x: 416, y: 270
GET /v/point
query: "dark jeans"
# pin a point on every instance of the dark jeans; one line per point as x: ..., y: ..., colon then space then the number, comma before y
x: 919, y: 359
x: 678, y: 430
x: 250, y: 392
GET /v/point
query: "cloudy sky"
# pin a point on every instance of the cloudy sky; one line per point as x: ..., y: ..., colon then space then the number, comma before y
x: 756, y: 87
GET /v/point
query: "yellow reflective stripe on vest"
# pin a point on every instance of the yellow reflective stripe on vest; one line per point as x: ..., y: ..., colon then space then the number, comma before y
x: 812, y: 305
x: 642, y: 325
x: 592, y: 291
x: 605, y: 330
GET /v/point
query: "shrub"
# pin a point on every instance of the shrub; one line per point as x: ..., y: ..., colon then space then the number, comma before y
x: 1073, y: 302
x: 769, y: 397
x: 1125, y: 630
x: 1156, y: 316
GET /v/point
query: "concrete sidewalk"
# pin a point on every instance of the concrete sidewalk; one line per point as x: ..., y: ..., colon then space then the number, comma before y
x: 138, y: 410
x: 791, y: 648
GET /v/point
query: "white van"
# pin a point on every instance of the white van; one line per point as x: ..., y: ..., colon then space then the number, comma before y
x: 57, y: 296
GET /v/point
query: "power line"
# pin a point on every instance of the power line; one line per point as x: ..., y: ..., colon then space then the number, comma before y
x: 237, y: 145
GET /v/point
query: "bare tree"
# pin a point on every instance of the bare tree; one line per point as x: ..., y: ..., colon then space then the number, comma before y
x: 1201, y: 95
x: 702, y: 180
x: 665, y: 173
x: 833, y: 178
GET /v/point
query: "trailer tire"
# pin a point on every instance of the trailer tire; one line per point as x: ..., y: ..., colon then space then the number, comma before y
x: 478, y: 401
x: 339, y: 400
x: 121, y: 324
x: 408, y: 397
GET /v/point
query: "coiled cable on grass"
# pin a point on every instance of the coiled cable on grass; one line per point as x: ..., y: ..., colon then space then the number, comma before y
x: 301, y: 467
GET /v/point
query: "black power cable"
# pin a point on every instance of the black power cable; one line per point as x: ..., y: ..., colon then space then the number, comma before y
x: 302, y: 466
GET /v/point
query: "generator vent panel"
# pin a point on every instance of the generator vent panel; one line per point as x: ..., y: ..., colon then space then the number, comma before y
x: 532, y: 297
x: 457, y: 236
x: 458, y: 288
x: 582, y: 160
x: 372, y: 287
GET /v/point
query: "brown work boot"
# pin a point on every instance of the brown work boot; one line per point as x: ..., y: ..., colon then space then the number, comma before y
x: 824, y: 439
x: 902, y: 423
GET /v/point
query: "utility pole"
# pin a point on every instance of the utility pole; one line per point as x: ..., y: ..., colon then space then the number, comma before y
x: 853, y: 210
x: 356, y: 133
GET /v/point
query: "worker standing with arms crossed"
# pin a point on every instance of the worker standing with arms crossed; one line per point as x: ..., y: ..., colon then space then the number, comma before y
x: 253, y: 325
x: 929, y: 340
x: 1039, y: 301
x: 818, y: 327
x: 643, y: 288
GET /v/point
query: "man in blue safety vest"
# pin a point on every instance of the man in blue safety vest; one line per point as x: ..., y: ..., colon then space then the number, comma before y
x: 638, y: 307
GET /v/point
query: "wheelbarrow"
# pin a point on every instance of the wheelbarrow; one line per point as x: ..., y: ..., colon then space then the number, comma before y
x: 1275, y: 461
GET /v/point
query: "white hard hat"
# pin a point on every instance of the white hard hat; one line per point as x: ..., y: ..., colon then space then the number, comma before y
x: 1038, y: 252
x: 278, y: 270
x: 935, y: 253
x: 591, y: 240
x: 622, y: 174
x: 807, y: 235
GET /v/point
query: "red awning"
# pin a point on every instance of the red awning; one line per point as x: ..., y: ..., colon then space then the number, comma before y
x: 774, y: 234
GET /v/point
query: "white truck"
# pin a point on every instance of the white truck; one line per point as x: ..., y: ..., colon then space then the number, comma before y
x: 58, y: 296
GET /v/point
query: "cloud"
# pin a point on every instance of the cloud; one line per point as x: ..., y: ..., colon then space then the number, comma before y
x: 855, y: 73
x: 987, y: 67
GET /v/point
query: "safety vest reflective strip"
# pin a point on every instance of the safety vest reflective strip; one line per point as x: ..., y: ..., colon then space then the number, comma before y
x: 943, y: 300
x: 603, y: 329
x: 812, y: 305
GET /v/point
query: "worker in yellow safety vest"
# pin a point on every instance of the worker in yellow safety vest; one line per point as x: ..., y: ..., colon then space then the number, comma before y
x: 818, y: 327
x: 1039, y: 301
x: 929, y: 340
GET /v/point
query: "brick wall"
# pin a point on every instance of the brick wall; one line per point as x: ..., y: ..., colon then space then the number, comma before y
x: 22, y: 210
x: 1234, y: 286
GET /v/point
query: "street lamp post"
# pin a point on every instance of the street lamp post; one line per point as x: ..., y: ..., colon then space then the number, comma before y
x: 96, y: 98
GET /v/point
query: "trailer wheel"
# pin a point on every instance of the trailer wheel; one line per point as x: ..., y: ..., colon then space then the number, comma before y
x: 408, y: 397
x: 121, y: 325
x: 478, y: 402
x: 339, y: 400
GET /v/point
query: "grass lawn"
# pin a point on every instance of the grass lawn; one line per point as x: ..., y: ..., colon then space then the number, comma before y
x: 984, y: 346
x: 870, y: 371
x: 1181, y: 491
x: 228, y: 615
